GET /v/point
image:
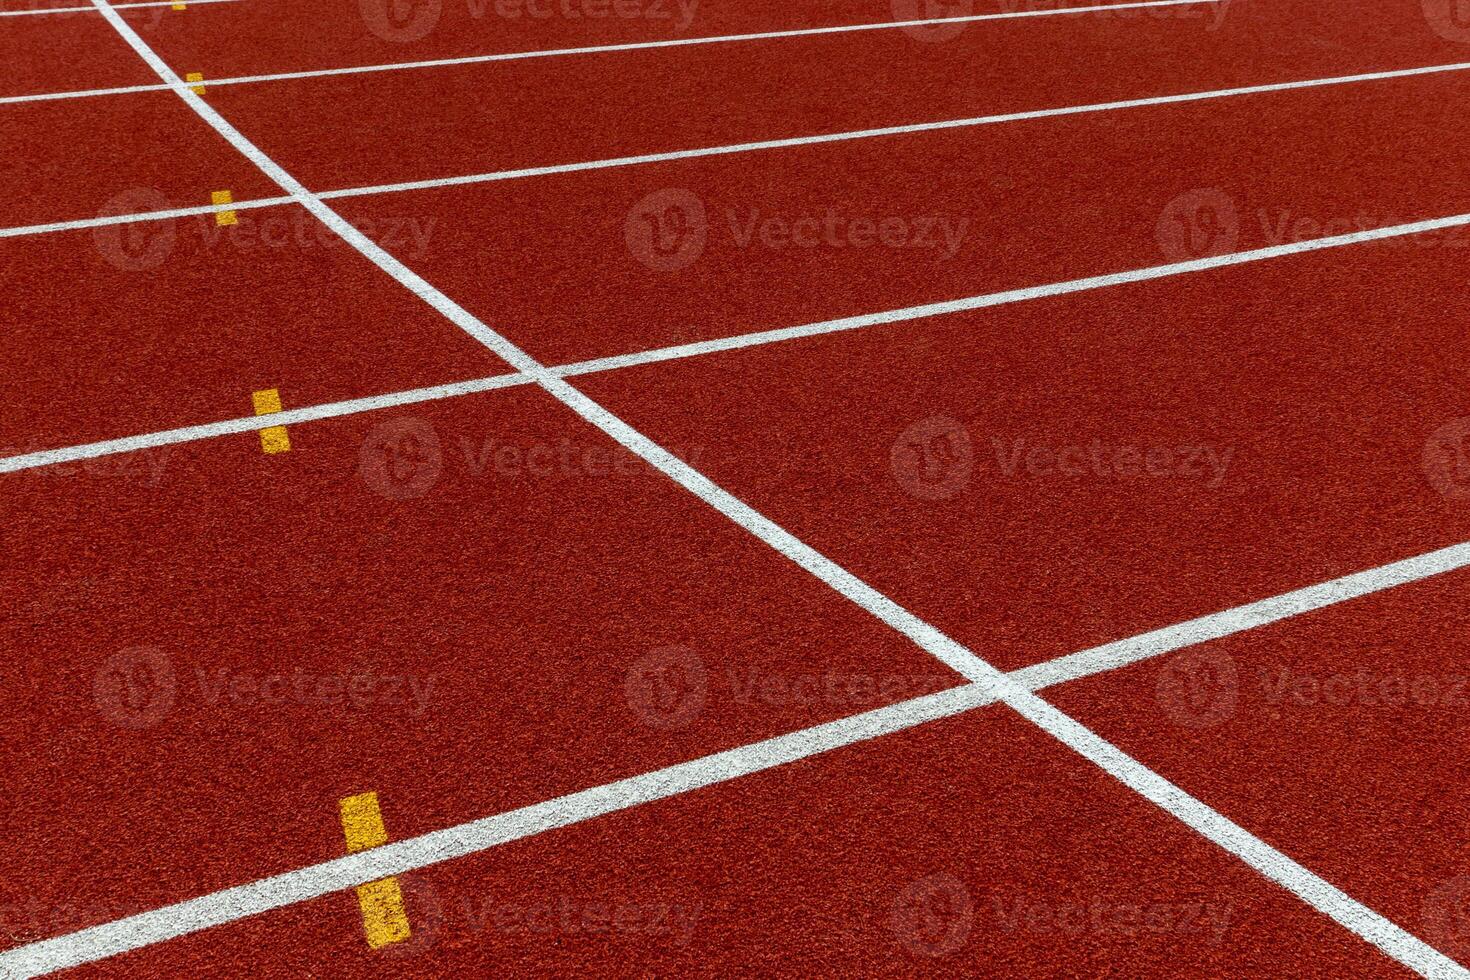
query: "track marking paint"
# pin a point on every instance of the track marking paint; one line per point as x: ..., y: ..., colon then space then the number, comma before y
x: 220, y: 199
x: 757, y: 338
x: 736, y: 148
x: 274, y: 439
x: 89, y: 9
x: 198, y: 78
x: 384, y: 919
x: 611, y: 48
x: 1209, y: 823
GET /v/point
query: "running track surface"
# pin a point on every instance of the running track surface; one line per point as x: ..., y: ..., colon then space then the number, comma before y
x: 718, y: 655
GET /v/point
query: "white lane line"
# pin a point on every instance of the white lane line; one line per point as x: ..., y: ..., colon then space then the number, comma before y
x: 399, y: 857
x: 88, y: 9
x: 249, y: 423
x: 127, y: 219
x: 1331, y: 901
x: 905, y: 130
x: 411, y: 854
x: 1111, y: 656
x: 252, y: 423
x: 593, y: 49
x: 796, y: 141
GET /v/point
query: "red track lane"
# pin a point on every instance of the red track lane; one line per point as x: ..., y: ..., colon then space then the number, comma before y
x: 974, y: 845
x: 1341, y: 737
x: 54, y: 52
x: 1024, y: 204
x: 287, y: 36
x: 532, y: 592
x: 118, y: 331
x: 447, y: 122
x: 1284, y: 366
x: 69, y: 161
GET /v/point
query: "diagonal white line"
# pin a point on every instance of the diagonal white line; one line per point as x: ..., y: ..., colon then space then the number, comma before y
x: 1326, y: 898
x: 312, y: 881
x: 592, y: 49
x: 758, y: 338
x: 787, y: 143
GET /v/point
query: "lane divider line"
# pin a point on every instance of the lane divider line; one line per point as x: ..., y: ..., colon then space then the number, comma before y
x: 632, y: 46
x: 384, y: 919
x: 274, y: 439
x: 1348, y: 912
x: 757, y: 146
x: 222, y: 199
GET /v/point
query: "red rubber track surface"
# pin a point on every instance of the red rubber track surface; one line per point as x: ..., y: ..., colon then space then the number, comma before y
x: 470, y: 629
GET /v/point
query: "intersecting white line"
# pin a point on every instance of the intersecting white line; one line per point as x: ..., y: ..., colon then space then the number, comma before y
x: 1326, y: 898
x: 251, y: 423
x: 89, y: 9
x: 761, y: 145
x: 589, y: 49
x: 312, y: 881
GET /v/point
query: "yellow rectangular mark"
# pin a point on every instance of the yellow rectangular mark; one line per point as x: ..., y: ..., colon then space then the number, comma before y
x: 180, y: 6
x: 227, y: 217
x: 362, y: 822
x: 197, y: 82
x: 384, y: 919
x: 273, y: 439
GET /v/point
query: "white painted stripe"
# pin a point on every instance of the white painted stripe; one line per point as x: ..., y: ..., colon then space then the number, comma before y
x: 699, y: 348
x: 251, y: 423
x: 87, y: 9
x: 313, y: 881
x: 905, y: 130
x: 721, y: 39
x: 796, y: 141
x: 590, y: 49
x: 406, y: 855
x: 1271, y: 863
x: 129, y: 219
x: 1111, y: 656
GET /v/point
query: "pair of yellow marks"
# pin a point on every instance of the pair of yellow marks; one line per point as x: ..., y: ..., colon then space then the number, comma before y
x: 384, y: 919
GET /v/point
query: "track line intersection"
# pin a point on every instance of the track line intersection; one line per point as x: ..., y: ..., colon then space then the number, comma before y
x: 178, y: 321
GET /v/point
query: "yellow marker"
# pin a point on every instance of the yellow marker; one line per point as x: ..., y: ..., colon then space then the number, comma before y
x: 227, y: 217
x: 274, y: 439
x: 383, y: 916
x: 180, y: 6
x: 197, y: 81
